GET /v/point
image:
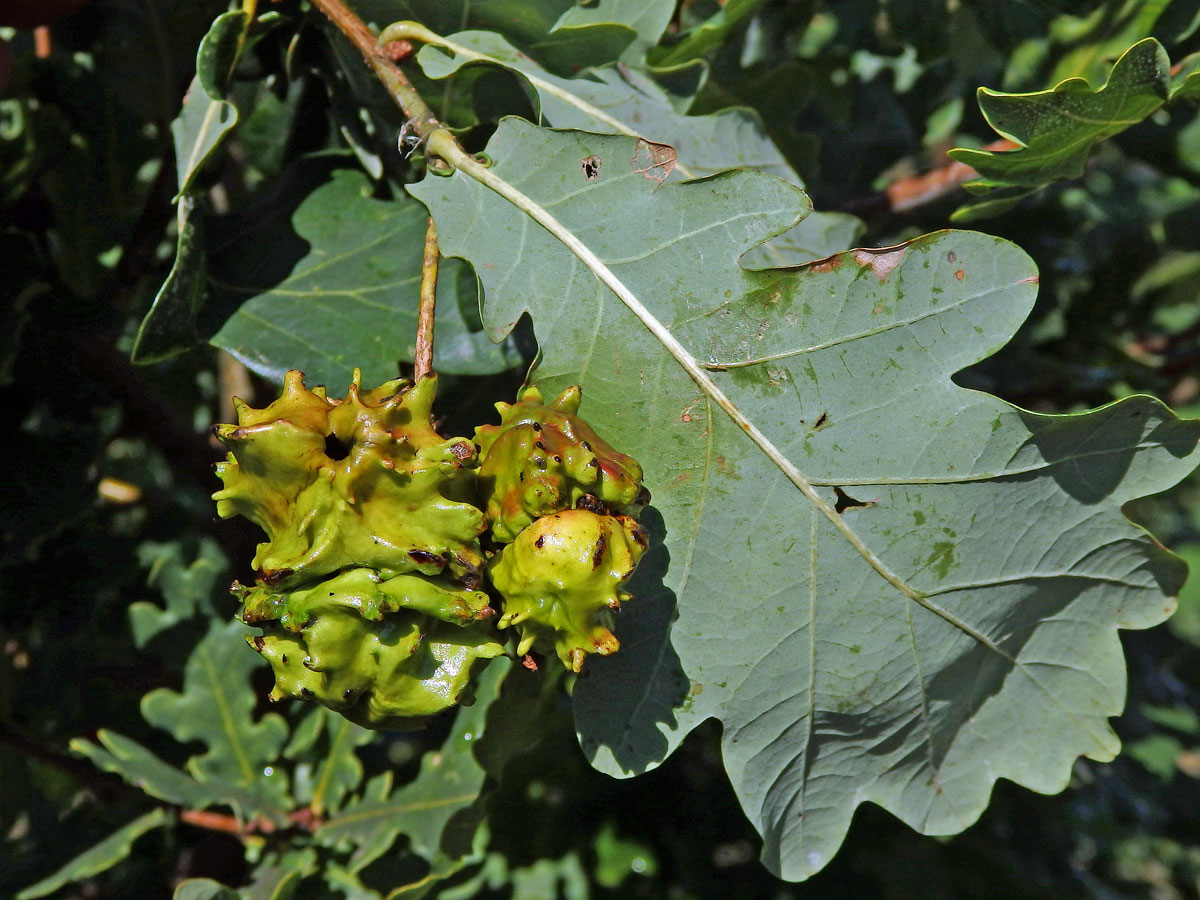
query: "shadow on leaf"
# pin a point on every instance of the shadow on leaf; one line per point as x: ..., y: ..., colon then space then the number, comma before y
x: 621, y: 700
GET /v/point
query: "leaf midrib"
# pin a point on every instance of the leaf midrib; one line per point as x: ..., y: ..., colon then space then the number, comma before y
x: 441, y: 144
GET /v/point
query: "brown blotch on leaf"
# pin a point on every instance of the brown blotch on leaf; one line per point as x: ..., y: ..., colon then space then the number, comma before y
x: 880, y: 261
x: 828, y: 264
x: 425, y: 558
x: 653, y: 160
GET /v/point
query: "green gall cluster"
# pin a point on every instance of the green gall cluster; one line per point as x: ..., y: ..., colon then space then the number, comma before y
x: 543, y: 458
x: 390, y: 549
x: 561, y: 501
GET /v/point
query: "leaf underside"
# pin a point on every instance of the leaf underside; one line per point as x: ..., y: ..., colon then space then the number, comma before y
x: 990, y: 649
x: 622, y: 100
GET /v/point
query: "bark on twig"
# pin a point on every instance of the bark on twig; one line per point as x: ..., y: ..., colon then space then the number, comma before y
x: 423, y: 360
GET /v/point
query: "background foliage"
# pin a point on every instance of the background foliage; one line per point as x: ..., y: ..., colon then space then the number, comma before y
x: 118, y: 648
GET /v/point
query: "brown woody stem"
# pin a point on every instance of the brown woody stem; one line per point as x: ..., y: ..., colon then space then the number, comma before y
x: 423, y: 121
x: 423, y: 360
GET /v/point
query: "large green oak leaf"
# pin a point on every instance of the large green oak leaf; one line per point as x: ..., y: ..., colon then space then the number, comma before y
x: 887, y: 588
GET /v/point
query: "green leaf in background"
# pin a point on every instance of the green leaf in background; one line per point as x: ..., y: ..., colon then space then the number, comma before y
x: 929, y: 581
x: 139, y: 767
x: 621, y: 100
x: 449, y: 783
x: 186, y: 586
x: 1185, y: 77
x: 279, y: 875
x: 1056, y: 130
x: 145, y: 771
x: 207, y: 117
x: 1185, y: 624
x: 216, y: 707
x: 649, y: 18
x: 336, y: 770
x: 1084, y: 46
x: 204, y: 889
x: 707, y: 35
x: 104, y: 855
x: 341, y: 291
x: 202, y: 125
x: 550, y: 31
x: 169, y: 328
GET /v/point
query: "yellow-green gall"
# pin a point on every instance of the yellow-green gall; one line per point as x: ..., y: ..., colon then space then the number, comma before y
x: 386, y: 653
x: 560, y: 581
x: 359, y: 482
x: 543, y: 458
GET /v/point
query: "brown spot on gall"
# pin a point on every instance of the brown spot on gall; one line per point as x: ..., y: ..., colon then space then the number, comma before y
x: 598, y: 554
x: 425, y: 558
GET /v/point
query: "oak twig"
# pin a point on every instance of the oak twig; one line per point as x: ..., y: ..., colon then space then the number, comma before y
x: 303, y: 819
x: 421, y: 117
x: 423, y: 359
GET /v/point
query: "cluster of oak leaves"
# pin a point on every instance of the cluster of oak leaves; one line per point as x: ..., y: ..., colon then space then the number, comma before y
x: 395, y: 558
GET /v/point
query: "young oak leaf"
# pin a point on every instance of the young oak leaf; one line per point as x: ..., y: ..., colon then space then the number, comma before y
x: 886, y: 587
x: 216, y: 707
x: 1056, y: 130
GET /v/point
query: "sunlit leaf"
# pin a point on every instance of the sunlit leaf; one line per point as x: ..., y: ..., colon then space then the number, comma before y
x: 1057, y: 130
x: 888, y: 588
x: 620, y: 100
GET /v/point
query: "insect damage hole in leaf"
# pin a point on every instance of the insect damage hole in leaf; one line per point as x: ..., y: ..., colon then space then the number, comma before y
x: 653, y: 160
x: 845, y: 501
x: 591, y: 167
